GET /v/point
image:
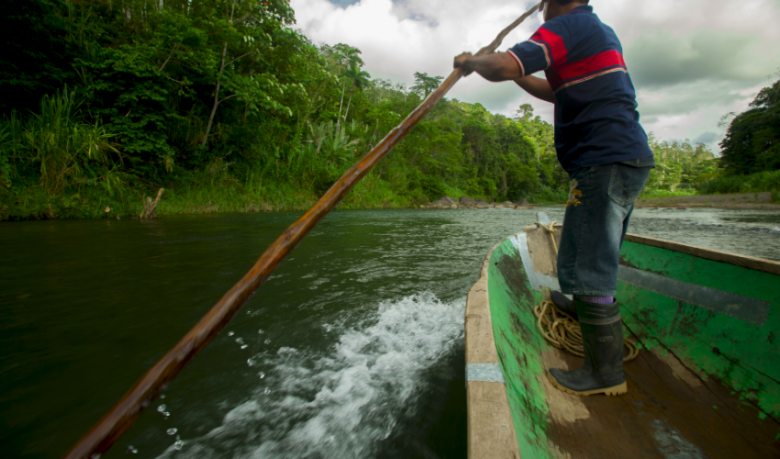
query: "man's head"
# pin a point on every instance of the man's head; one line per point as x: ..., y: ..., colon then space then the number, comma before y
x: 555, y: 8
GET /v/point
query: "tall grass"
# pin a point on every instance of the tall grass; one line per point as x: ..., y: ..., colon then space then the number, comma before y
x: 547, y: 195
x: 59, y: 165
x: 754, y: 183
x: 66, y: 150
x: 63, y: 149
x: 6, y: 150
x: 655, y: 193
x: 215, y: 192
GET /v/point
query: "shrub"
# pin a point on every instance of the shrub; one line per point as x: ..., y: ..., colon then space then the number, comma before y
x: 754, y: 183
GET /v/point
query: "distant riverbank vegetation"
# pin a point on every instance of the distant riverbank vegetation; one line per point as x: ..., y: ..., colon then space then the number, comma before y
x: 230, y: 109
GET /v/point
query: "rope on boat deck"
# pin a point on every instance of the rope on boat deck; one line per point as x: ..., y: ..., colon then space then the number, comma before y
x: 559, y: 328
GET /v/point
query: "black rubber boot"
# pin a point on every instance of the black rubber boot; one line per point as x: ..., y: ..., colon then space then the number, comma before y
x: 602, y: 335
x: 564, y: 303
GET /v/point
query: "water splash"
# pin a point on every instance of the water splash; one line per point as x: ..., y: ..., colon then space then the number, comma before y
x: 341, y: 403
x: 172, y: 431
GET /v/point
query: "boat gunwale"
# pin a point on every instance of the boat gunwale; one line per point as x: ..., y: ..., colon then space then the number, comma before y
x: 478, y: 392
x: 744, y: 261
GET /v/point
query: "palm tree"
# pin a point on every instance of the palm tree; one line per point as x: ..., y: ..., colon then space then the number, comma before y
x: 360, y: 79
x: 345, y: 57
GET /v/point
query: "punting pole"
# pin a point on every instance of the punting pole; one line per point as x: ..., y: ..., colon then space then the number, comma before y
x: 108, y: 429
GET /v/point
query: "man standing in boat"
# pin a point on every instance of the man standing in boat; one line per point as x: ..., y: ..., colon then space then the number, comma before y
x: 602, y: 146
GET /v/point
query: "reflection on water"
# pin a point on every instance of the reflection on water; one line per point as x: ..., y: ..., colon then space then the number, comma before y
x: 352, y: 349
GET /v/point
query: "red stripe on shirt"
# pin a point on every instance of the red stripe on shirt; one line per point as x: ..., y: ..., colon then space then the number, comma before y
x: 558, y: 49
x: 591, y: 64
x: 573, y: 70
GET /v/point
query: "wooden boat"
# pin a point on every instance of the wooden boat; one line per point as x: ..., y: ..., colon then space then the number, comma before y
x: 706, y: 383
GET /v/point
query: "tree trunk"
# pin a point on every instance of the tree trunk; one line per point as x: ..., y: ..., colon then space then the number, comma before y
x: 150, y: 207
x: 338, y: 121
x: 216, y: 97
x: 351, y: 93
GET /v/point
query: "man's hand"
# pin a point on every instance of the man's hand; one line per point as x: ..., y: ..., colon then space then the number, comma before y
x: 461, y: 61
x: 493, y: 67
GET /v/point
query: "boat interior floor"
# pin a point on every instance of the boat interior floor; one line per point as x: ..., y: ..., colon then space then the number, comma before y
x: 668, y: 412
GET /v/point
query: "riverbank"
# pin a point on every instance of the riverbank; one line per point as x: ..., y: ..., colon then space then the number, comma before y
x: 33, y: 203
x: 738, y: 201
x: 369, y: 194
x: 204, y: 196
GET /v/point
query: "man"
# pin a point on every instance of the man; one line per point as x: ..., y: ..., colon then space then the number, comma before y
x: 605, y: 151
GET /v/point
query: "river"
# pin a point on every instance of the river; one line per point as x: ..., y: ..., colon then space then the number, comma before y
x: 352, y: 349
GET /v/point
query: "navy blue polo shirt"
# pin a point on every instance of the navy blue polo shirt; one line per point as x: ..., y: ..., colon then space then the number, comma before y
x: 596, y: 121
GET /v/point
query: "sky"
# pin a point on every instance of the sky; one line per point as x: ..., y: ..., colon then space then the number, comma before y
x: 691, y: 61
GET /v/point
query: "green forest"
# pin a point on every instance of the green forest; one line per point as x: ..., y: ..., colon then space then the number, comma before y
x: 230, y: 109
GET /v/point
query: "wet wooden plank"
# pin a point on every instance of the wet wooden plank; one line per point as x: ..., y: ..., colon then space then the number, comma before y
x: 491, y: 430
x: 540, y: 247
x: 669, y: 412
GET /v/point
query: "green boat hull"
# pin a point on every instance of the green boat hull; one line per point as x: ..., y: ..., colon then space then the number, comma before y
x: 706, y: 383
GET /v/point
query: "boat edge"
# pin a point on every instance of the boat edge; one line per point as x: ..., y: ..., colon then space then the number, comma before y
x: 491, y: 430
x: 744, y: 261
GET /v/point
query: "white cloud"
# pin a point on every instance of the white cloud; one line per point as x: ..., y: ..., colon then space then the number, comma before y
x: 695, y: 83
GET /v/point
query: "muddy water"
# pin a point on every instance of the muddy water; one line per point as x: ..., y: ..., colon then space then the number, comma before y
x: 353, y: 349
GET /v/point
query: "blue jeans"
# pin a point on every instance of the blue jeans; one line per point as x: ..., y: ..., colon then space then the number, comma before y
x: 600, y: 204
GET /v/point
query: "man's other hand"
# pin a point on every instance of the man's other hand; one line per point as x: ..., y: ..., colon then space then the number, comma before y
x: 461, y: 61
x: 493, y: 67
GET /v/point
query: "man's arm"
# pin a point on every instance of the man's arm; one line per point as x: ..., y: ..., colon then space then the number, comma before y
x: 503, y: 67
x: 493, y: 67
x: 536, y: 87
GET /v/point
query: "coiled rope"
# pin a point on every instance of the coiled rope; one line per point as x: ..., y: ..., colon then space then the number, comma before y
x: 559, y: 328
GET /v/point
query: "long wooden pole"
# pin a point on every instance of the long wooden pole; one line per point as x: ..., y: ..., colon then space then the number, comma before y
x: 103, y: 434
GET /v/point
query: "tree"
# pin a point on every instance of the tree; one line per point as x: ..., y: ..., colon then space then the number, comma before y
x: 344, y: 57
x: 752, y: 143
x: 526, y: 111
x: 424, y: 85
x: 241, y: 32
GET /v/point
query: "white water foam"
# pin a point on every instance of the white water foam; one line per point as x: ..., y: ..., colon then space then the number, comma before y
x: 342, y: 402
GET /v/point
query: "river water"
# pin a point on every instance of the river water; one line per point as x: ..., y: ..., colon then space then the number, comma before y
x: 353, y: 348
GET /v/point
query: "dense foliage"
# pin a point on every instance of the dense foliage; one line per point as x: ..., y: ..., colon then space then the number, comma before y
x: 752, y: 143
x: 680, y: 166
x: 753, y: 183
